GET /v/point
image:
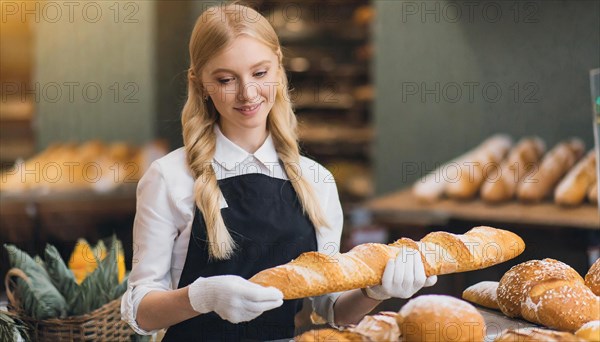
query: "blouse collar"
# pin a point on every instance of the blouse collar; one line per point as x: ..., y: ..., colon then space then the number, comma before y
x: 228, y: 154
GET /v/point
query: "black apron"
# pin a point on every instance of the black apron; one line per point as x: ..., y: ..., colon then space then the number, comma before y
x: 265, y: 218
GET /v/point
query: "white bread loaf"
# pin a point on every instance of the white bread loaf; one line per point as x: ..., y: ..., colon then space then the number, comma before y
x: 314, y: 273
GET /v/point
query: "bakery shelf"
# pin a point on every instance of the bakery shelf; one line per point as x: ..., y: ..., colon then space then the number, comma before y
x: 403, y: 207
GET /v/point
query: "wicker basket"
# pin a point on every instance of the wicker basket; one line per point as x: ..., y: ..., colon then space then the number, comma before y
x: 102, y: 324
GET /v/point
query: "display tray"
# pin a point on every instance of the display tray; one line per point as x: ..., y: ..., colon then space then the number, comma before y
x: 403, y: 207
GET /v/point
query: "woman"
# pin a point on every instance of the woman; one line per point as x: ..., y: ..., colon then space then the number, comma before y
x: 237, y: 199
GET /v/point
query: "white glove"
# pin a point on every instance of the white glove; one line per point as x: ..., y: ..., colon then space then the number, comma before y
x: 402, y: 277
x: 232, y: 297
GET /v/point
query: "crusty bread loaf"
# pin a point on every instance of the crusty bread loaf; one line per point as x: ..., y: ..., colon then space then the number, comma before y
x: 500, y: 184
x: 440, y: 318
x: 589, y: 331
x: 314, y: 273
x: 514, y: 286
x: 536, y: 335
x: 592, y: 278
x: 547, y: 292
x: 573, y: 189
x: 483, y: 293
x: 560, y: 304
x: 538, y: 185
x: 473, y: 169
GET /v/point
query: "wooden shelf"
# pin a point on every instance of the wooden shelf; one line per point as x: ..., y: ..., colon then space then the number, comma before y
x: 403, y: 208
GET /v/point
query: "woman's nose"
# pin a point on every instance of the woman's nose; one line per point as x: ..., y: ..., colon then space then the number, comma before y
x: 249, y: 91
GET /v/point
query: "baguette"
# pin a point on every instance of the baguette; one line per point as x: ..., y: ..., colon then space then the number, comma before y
x: 314, y: 273
x: 592, y: 278
x: 483, y: 293
x: 538, y: 185
x: 472, y: 170
x: 440, y: 318
x: 535, y: 335
x: 547, y: 292
x: 522, y: 159
x: 573, y: 189
x: 589, y: 331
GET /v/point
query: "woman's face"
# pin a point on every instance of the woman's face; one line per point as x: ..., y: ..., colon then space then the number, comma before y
x: 242, y: 83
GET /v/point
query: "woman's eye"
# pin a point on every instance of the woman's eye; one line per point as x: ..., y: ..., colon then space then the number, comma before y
x: 225, y: 80
x: 260, y: 74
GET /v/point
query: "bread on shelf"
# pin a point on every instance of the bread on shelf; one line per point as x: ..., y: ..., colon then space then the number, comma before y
x: 593, y: 193
x: 573, y: 189
x: 501, y: 182
x: 440, y: 318
x: 555, y: 164
x: 473, y: 168
x: 482, y: 293
x: 432, y: 186
x: 314, y: 273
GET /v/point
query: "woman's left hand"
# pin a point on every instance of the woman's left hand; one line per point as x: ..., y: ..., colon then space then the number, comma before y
x: 402, y: 277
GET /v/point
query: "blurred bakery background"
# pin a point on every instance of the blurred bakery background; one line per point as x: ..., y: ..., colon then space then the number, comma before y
x: 385, y: 92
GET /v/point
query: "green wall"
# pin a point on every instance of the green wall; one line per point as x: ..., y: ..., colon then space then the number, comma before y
x: 95, y: 71
x: 440, y: 66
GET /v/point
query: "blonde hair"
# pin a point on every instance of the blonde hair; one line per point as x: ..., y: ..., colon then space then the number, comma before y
x: 214, y: 30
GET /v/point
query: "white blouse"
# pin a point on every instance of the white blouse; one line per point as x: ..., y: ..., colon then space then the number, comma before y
x: 165, y: 212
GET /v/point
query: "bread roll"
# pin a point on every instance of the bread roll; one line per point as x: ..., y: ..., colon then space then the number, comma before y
x: 314, y: 273
x: 536, y: 335
x: 538, y: 185
x: 589, y: 331
x: 440, y: 318
x: 472, y: 170
x: 560, y: 304
x: 573, y: 189
x: 547, y: 292
x: 500, y: 184
x: 592, y: 278
x: 483, y: 293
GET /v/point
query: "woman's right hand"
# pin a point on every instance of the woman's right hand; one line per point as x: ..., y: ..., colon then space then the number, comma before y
x: 232, y: 297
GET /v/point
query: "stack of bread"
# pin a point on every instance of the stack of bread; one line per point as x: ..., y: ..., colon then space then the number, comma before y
x: 546, y: 292
x: 92, y: 165
x: 499, y: 172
